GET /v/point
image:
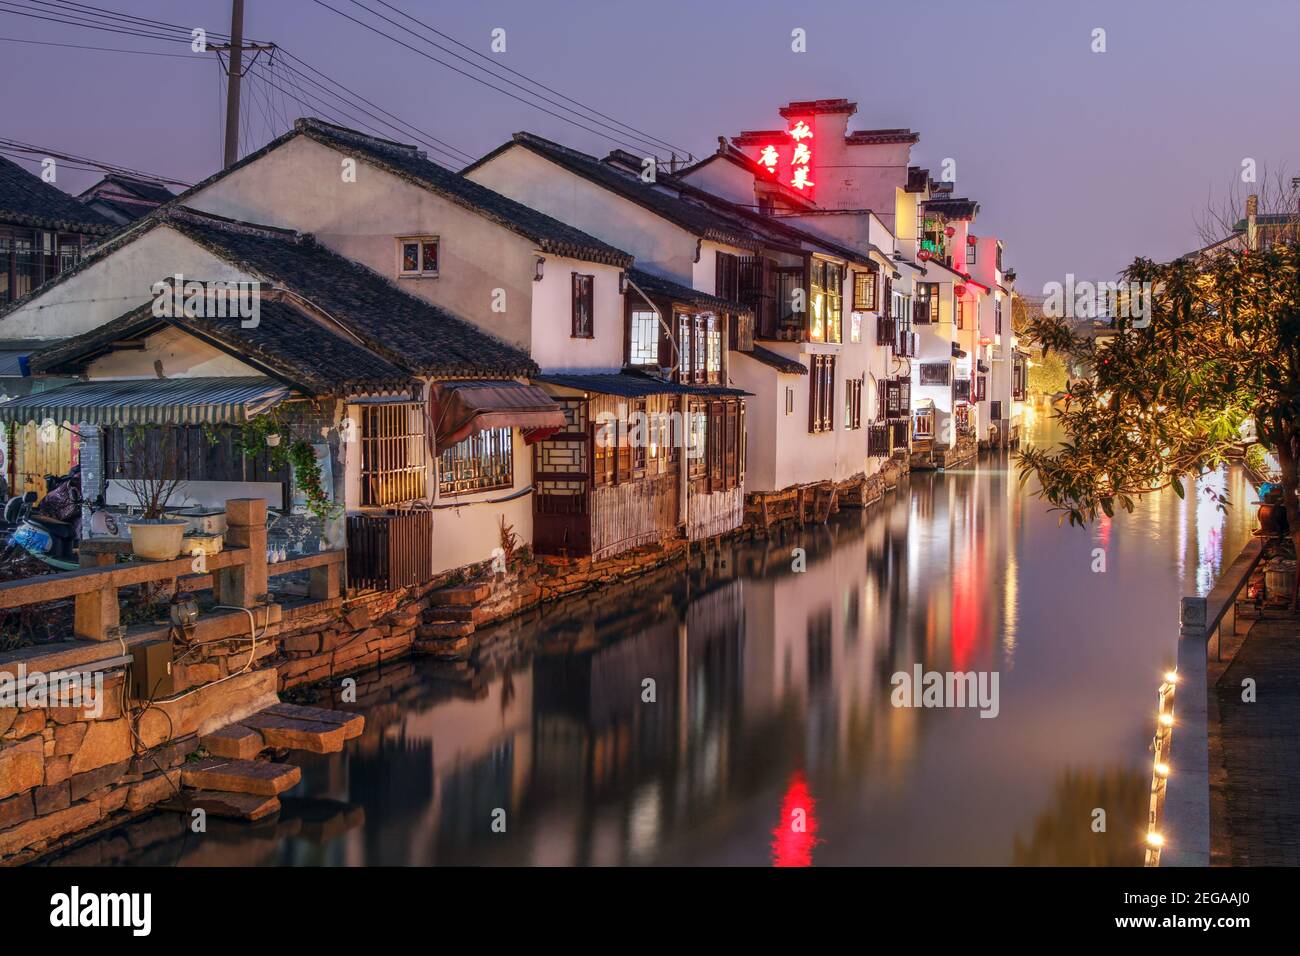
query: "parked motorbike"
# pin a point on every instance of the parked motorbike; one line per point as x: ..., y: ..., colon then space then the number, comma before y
x: 49, y: 529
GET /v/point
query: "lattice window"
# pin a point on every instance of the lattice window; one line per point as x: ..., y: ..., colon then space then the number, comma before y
x: 482, y: 462
x: 643, y: 338
x: 393, y: 459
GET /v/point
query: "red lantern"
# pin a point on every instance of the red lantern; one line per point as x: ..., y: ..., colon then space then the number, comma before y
x: 970, y: 240
x: 923, y: 254
x: 961, y: 291
x: 950, y: 232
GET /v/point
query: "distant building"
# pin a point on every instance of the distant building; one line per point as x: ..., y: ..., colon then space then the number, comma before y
x: 123, y: 199
x: 43, y: 231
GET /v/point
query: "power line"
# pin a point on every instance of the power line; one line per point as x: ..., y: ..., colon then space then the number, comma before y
x: 42, y: 14
x: 471, y: 76
x: 538, y: 83
x: 651, y: 142
x: 106, y: 49
x: 30, y: 148
x: 143, y: 26
x: 415, y: 130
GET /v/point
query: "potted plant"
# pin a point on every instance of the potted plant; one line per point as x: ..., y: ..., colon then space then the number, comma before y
x: 154, y: 536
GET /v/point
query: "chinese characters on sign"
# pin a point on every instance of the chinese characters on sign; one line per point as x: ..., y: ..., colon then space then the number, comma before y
x: 774, y: 160
x: 802, y: 156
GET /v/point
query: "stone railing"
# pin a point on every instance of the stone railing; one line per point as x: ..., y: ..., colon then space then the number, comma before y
x: 1183, y: 836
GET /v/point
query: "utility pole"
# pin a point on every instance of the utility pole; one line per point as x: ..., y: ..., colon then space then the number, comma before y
x: 235, y: 74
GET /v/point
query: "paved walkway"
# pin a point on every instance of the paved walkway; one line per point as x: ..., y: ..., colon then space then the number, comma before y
x: 1255, y: 806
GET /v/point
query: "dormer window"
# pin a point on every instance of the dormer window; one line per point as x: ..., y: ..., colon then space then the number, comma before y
x: 417, y: 256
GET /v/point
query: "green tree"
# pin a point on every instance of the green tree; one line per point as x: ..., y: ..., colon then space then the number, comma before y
x: 1165, y: 400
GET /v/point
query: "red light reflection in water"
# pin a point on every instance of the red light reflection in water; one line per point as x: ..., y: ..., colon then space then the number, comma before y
x: 795, y: 834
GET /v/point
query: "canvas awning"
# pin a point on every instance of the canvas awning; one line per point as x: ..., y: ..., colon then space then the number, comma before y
x: 169, y: 401
x: 461, y: 409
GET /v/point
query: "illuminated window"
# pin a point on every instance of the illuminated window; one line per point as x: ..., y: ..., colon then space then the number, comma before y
x: 643, y: 338
x: 482, y: 462
x: 392, y: 453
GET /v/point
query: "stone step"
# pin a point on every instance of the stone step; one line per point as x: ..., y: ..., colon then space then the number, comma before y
x: 441, y: 613
x: 235, y: 742
x: 260, y: 777
x: 461, y: 595
x: 236, y: 806
x: 352, y: 724
x: 444, y: 629
x: 290, y: 733
x: 446, y: 649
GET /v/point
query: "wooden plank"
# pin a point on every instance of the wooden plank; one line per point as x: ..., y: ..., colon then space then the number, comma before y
x: 234, y: 741
x: 84, y: 580
x: 259, y: 777
x: 237, y: 806
x: 313, y: 736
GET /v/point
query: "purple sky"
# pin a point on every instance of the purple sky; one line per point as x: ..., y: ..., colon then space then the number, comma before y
x: 1080, y: 160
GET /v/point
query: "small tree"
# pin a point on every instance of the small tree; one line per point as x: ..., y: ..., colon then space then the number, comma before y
x: 156, y: 465
x: 1166, y: 398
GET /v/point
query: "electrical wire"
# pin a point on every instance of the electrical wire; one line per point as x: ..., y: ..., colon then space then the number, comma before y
x: 471, y: 76
x: 523, y: 76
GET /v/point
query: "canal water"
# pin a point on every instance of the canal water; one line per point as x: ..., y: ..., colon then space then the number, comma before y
x: 771, y: 738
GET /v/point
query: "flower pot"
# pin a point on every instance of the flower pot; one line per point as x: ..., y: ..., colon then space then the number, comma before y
x: 157, y: 540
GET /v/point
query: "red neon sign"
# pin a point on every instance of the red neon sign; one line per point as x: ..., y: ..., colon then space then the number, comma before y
x: 801, y: 160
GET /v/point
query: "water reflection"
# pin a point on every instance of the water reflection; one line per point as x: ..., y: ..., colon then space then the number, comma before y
x: 691, y: 716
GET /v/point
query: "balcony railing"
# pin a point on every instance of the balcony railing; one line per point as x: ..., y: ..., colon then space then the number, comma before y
x: 886, y: 331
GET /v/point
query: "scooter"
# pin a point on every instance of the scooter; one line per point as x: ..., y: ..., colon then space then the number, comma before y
x: 49, y: 531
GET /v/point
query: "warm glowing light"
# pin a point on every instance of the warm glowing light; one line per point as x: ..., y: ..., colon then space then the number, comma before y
x: 1162, y: 770
x: 800, y: 132
x: 1166, y: 720
x: 1171, y: 677
x: 802, y: 154
x: 767, y: 156
x: 801, y: 179
x: 1155, y: 839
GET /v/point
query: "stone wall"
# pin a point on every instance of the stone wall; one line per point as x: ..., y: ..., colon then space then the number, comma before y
x: 64, y: 773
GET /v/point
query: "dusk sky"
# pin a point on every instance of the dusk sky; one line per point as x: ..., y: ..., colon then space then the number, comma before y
x: 1080, y: 160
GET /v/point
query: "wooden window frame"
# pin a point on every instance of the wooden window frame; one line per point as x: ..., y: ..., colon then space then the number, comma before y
x: 859, y: 303
x: 657, y: 335
x: 394, y: 458
x: 471, y: 450
x: 420, y: 272
x: 853, y: 404
x: 583, y: 289
x: 821, y: 394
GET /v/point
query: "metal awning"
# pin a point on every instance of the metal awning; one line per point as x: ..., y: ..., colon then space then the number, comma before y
x: 461, y: 409
x: 168, y: 401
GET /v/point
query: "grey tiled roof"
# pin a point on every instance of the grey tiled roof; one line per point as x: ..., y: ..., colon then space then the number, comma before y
x: 401, y: 327
x: 286, y: 343
x: 409, y: 163
x: 776, y: 360
x: 655, y: 285
x: 695, y: 219
x: 27, y: 200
